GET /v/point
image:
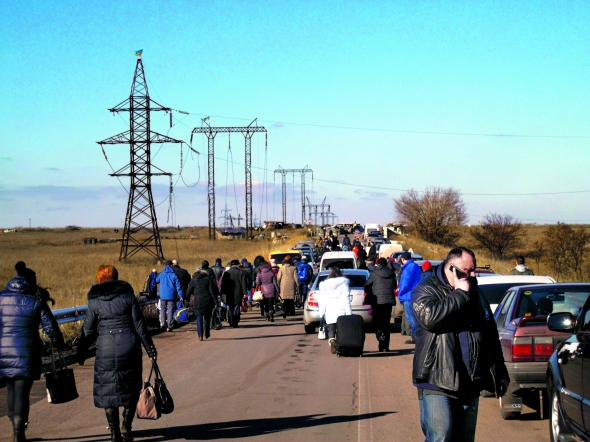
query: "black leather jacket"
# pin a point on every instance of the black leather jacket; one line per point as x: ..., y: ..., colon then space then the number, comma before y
x: 444, y: 316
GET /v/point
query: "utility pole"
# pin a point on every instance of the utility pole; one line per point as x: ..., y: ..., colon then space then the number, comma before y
x: 141, y: 213
x: 284, y: 173
x: 225, y: 216
x: 210, y: 132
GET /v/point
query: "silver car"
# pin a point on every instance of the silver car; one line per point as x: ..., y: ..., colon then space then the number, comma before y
x: 357, y: 278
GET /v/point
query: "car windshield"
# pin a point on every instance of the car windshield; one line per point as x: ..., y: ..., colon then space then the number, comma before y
x: 541, y: 302
x: 340, y: 263
x: 355, y: 280
x: 280, y: 257
x: 494, y: 292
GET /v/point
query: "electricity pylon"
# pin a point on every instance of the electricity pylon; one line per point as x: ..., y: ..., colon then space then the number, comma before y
x: 141, y: 213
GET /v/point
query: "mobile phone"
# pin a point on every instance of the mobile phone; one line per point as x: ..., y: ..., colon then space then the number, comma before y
x: 459, y: 273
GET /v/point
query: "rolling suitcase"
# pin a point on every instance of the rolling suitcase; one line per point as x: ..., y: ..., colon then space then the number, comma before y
x: 350, y: 335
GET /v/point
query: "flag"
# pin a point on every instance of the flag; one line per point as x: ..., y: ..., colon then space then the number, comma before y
x: 138, y: 53
x: 206, y: 120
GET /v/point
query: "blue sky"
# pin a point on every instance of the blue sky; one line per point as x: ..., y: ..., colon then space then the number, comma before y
x: 376, y: 97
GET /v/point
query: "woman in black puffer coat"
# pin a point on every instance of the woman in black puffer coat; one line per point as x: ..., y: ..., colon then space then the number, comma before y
x: 115, y: 319
x: 204, y: 290
x: 21, y: 313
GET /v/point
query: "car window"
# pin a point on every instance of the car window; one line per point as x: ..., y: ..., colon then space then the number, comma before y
x: 503, y: 308
x: 340, y: 263
x: 355, y: 280
x: 494, y: 292
x: 280, y: 257
x: 541, y: 302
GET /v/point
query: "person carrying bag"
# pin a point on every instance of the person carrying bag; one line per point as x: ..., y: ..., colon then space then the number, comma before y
x: 60, y: 383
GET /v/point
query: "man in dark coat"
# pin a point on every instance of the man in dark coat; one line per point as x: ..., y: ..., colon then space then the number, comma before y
x: 217, y: 269
x: 372, y: 255
x: 204, y: 291
x: 457, y: 349
x: 183, y: 276
x: 381, y: 287
x: 234, y: 287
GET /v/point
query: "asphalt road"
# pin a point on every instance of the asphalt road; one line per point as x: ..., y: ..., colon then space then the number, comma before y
x: 270, y: 382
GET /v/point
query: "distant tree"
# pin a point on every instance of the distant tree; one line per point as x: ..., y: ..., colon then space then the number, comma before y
x: 537, y: 253
x: 567, y: 248
x: 433, y: 215
x: 499, y: 234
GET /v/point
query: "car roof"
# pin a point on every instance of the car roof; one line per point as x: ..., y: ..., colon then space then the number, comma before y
x: 517, y: 279
x: 334, y: 255
x: 557, y: 286
x: 283, y: 252
x: 347, y: 272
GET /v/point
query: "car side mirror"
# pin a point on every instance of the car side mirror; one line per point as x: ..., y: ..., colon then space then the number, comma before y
x: 561, y: 322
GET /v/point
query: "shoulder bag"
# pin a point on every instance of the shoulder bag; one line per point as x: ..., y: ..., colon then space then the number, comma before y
x: 164, y: 399
x: 146, y: 405
x: 60, y: 384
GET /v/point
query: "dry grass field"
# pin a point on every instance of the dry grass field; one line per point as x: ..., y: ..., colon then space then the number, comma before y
x: 67, y: 266
x: 533, y: 233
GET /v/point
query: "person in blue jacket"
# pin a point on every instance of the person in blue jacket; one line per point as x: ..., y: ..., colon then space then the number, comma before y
x: 409, y: 278
x: 170, y: 291
x: 22, y: 311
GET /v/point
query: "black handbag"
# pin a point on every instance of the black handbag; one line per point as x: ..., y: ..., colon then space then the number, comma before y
x: 164, y: 400
x: 60, y: 384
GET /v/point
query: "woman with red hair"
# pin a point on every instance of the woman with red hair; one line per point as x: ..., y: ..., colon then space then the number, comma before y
x: 115, y: 319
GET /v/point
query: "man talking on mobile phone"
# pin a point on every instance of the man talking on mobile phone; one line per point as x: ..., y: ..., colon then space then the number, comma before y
x: 458, y: 352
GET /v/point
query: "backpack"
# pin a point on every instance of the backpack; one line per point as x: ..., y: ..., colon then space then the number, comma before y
x: 302, y: 272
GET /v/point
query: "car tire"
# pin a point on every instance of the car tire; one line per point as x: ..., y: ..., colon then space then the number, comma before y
x: 556, y: 423
x: 309, y: 329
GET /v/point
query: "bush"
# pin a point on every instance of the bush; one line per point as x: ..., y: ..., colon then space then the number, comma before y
x: 566, y: 248
x: 499, y: 234
x: 434, y: 216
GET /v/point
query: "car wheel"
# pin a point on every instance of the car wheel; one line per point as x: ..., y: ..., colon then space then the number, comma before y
x: 507, y: 415
x: 309, y: 329
x: 556, y: 423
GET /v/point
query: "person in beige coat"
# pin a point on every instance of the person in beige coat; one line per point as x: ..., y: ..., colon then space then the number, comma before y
x: 288, y: 283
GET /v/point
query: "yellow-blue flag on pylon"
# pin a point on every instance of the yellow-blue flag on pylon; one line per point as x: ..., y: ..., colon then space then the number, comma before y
x: 138, y: 53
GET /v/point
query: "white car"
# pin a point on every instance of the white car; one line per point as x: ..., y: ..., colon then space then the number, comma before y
x: 344, y: 260
x: 357, y: 278
x: 494, y: 285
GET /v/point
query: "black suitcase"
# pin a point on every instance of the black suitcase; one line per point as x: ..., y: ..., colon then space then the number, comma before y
x: 350, y: 335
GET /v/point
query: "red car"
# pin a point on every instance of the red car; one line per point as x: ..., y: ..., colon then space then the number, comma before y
x: 527, y: 343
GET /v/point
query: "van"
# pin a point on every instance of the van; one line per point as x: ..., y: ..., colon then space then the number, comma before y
x: 344, y: 260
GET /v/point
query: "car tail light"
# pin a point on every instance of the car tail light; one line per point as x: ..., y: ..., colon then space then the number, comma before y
x: 311, y: 300
x: 543, y: 346
x: 530, y: 348
x: 522, y: 348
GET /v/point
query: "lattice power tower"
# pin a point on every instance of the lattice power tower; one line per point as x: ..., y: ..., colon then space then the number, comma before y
x: 140, y: 219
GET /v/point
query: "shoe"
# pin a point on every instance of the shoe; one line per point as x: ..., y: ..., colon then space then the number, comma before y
x: 169, y: 330
x: 410, y: 341
x: 200, y: 338
x: 332, y: 344
x: 207, y: 336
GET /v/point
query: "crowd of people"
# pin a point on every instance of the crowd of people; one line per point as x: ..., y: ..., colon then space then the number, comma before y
x: 450, y: 322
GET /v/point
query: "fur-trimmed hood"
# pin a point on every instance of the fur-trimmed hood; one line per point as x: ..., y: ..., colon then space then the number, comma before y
x: 110, y: 290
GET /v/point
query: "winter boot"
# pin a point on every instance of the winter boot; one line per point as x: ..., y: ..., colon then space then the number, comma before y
x: 113, y: 420
x: 126, y: 432
x: 18, y: 426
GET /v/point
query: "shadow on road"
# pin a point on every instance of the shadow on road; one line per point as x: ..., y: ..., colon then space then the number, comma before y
x: 392, y: 353
x: 247, y: 428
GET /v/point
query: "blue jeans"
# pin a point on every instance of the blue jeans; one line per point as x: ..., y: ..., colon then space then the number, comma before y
x: 409, y: 312
x: 444, y: 419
